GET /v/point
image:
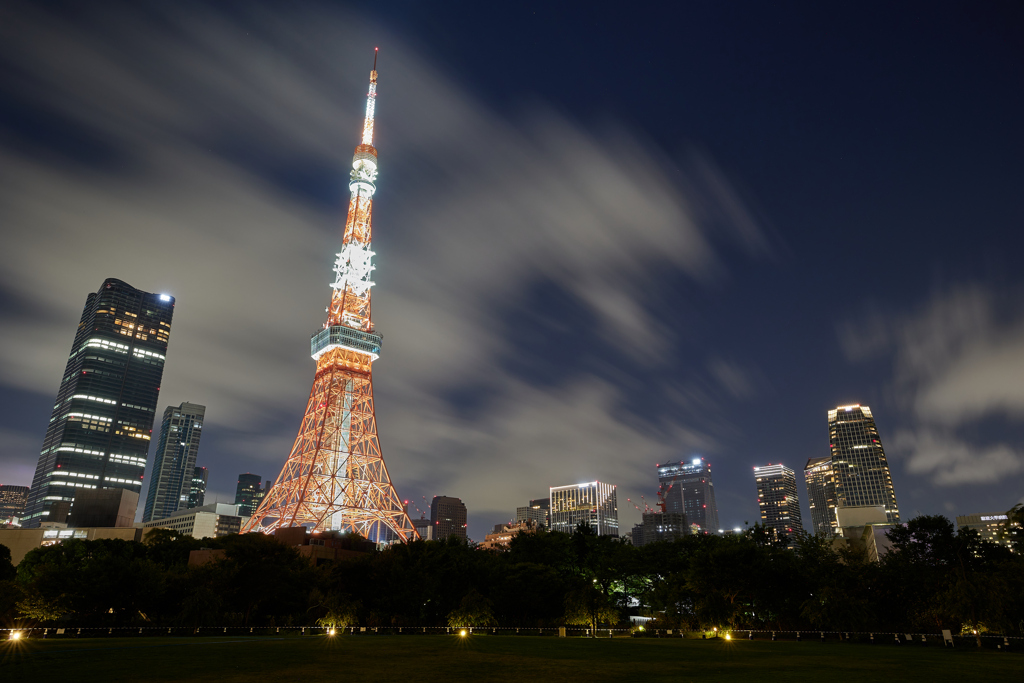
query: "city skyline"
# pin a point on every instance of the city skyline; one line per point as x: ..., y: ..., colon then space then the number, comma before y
x: 580, y: 275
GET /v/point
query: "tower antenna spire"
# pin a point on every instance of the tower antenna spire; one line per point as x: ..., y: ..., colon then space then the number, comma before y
x: 375, y: 50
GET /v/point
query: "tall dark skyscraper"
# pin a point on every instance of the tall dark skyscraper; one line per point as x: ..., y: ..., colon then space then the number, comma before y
x: 858, y: 461
x: 448, y: 517
x: 779, y: 502
x: 248, y: 493
x: 687, y: 488
x: 171, y: 478
x: 821, y: 495
x: 102, y: 420
x: 197, y: 491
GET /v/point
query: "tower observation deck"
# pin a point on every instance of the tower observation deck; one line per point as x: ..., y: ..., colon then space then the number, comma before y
x: 335, y: 477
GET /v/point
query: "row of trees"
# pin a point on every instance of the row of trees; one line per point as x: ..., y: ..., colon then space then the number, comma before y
x: 933, y: 578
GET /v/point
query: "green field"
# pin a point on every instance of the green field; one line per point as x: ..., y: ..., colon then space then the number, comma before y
x: 488, y: 658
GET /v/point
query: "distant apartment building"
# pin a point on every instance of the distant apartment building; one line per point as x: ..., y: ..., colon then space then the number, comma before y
x: 687, y: 488
x: 778, y: 501
x: 538, y: 511
x: 174, y: 465
x: 448, y: 517
x: 594, y: 504
x: 102, y: 420
x: 206, y: 521
x: 13, y: 500
x: 659, y: 526
x: 197, y: 489
x: 991, y: 526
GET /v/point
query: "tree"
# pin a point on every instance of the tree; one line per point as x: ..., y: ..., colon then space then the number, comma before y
x: 588, y: 606
x: 474, y: 611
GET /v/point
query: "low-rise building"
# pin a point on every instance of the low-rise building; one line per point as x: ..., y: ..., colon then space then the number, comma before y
x: 500, y: 539
x: 21, y: 541
x: 205, y: 521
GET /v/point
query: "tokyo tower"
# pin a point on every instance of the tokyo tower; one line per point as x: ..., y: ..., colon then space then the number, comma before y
x: 335, y: 477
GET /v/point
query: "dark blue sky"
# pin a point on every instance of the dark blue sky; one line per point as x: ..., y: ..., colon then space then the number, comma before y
x: 851, y: 173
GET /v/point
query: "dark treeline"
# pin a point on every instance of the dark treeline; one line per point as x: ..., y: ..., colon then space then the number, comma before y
x: 933, y: 578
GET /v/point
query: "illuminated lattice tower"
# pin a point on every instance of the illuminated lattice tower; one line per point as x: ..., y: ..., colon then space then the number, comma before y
x: 335, y: 477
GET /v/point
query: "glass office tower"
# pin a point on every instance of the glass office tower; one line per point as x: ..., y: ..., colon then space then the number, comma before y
x: 859, y: 464
x: 102, y: 420
x: 687, y: 487
x: 174, y: 465
x: 779, y: 502
x: 197, y: 492
x: 821, y: 495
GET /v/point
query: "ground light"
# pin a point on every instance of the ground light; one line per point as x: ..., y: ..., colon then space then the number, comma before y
x: 462, y: 633
x: 728, y: 637
x: 15, y: 635
x: 331, y: 632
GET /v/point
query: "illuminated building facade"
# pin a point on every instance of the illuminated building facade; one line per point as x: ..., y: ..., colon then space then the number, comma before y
x: 102, y: 420
x: 503, y: 534
x: 335, y: 477
x: 859, y: 464
x: 248, y: 493
x: 779, y: 502
x: 821, y: 496
x: 448, y: 517
x: 13, y: 500
x: 595, y: 504
x: 686, y: 487
x: 170, y: 482
x: 197, y: 489
x: 991, y: 526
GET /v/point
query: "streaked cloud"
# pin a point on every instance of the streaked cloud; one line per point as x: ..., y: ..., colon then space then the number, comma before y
x: 205, y: 133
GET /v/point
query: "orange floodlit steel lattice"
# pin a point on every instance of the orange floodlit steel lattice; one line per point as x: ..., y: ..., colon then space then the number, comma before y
x: 335, y: 477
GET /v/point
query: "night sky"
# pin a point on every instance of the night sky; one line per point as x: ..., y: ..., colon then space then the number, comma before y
x: 605, y: 237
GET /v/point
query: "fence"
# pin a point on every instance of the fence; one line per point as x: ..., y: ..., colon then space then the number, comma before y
x: 1007, y: 643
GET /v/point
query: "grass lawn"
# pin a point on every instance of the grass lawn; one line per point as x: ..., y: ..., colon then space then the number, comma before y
x: 488, y: 658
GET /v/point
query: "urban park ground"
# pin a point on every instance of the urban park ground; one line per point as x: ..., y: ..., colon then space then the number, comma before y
x: 451, y: 658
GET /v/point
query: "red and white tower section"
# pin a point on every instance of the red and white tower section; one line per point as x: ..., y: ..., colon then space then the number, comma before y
x: 335, y: 477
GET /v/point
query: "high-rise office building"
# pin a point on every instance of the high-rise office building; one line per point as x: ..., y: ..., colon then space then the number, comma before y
x: 858, y: 461
x: 686, y: 487
x: 13, y: 500
x: 447, y: 517
x: 594, y: 503
x: 197, y: 490
x: 248, y: 493
x: 778, y: 501
x: 102, y: 420
x: 821, y: 496
x: 171, y: 479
